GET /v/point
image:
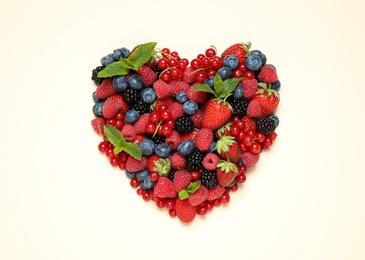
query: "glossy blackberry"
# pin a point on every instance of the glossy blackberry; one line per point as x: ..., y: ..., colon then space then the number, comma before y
x: 157, y: 70
x: 209, y: 179
x: 158, y: 139
x: 184, y: 125
x: 141, y: 107
x: 131, y: 95
x: 171, y: 175
x: 239, y: 106
x: 265, y: 125
x: 94, y: 75
x: 195, y: 159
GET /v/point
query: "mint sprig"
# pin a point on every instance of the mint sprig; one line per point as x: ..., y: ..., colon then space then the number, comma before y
x: 140, y: 56
x: 193, y: 187
x: 115, y: 137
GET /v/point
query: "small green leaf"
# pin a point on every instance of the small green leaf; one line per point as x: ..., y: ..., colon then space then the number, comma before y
x: 229, y: 86
x: 127, y: 63
x: 193, y: 187
x: 183, y: 195
x: 204, y: 88
x: 218, y: 85
x: 133, y: 150
x: 113, y: 135
x: 117, y: 149
x: 117, y: 68
x: 142, y: 54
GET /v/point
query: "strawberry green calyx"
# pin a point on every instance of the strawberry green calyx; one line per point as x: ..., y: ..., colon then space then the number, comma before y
x: 266, y: 89
x: 227, y: 167
x: 223, y: 128
x: 247, y: 47
x: 163, y: 167
x: 224, y: 143
x: 193, y: 187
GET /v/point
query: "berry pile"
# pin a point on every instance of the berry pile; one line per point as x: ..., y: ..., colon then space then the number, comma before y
x: 185, y: 133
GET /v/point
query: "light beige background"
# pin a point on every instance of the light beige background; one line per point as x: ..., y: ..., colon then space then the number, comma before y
x: 60, y: 199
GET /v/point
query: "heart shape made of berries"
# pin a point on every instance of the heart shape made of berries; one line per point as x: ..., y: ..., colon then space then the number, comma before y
x: 185, y: 133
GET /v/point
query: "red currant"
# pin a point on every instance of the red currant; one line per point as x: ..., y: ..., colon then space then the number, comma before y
x: 172, y: 213
x: 154, y: 176
x: 195, y: 175
x: 102, y: 147
x: 260, y: 137
x: 202, y: 210
x: 166, y: 130
x: 248, y: 74
x: 134, y: 182
x: 211, y: 52
x: 162, y: 64
x: 225, y: 198
x: 166, y: 115
x: 255, y: 148
x: 155, y: 117
x: 195, y: 64
x: 241, y: 178
x: 200, y: 56
x: 172, y: 62
x: 237, y: 73
x: 166, y: 77
x: 150, y: 128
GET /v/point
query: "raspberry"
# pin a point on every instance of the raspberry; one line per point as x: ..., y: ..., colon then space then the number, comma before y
x: 141, y: 123
x: 204, y: 138
x: 197, y: 118
x: 128, y: 132
x: 119, y: 98
x: 162, y: 89
x: 111, y: 108
x: 249, y: 87
x: 199, y: 196
x: 182, y: 179
x: 249, y: 159
x: 254, y: 108
x: 164, y: 188
x: 147, y: 74
x: 267, y: 74
x: 210, y: 161
x: 178, y: 161
x: 199, y: 97
x: 106, y: 89
x: 98, y: 125
x: 176, y: 110
x: 173, y: 140
x: 177, y: 86
x: 216, y: 193
x: 134, y: 165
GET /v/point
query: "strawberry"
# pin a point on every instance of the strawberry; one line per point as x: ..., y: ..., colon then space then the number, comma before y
x: 164, y: 188
x: 250, y: 124
x: 151, y: 163
x: 134, y: 165
x: 185, y: 211
x: 216, y: 114
x: 190, y: 136
x: 226, y: 173
x: 182, y: 179
x: 249, y: 159
x: 106, y: 89
x: 223, y: 130
x: 228, y: 149
x: 123, y: 104
x: 267, y: 98
x: 198, y: 196
x: 267, y: 74
x: 147, y: 74
x: 204, y: 138
x: 240, y: 50
x: 250, y: 87
x: 216, y: 193
x: 200, y: 97
x: 98, y: 125
x: 111, y: 108
x: 158, y: 165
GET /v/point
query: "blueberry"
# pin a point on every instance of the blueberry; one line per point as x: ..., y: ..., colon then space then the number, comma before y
x: 212, y: 147
x: 147, y: 146
x: 96, y: 98
x: 163, y: 150
x: 190, y: 107
x: 275, y: 118
x: 238, y: 92
x: 231, y: 61
x: 209, y: 81
x: 263, y: 58
x: 225, y: 73
x: 253, y: 62
x: 276, y: 85
x: 131, y: 116
x: 240, y: 163
x: 186, y: 147
x: 147, y: 184
x: 98, y: 108
x: 232, y: 183
x: 181, y: 97
x: 106, y: 60
x: 148, y: 95
x: 117, y: 54
x: 261, y: 55
x: 125, y: 52
x: 130, y: 175
x: 120, y: 83
x: 135, y: 81
x: 141, y: 175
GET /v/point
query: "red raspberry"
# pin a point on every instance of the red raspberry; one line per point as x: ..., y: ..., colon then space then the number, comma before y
x: 173, y: 140
x: 178, y: 161
x: 111, y: 108
x: 189, y: 75
x: 254, y: 109
x: 182, y: 179
x: 268, y: 74
x: 141, y: 123
x: 177, y: 86
x: 106, y: 89
x: 216, y: 193
x: 250, y: 87
x: 134, y: 165
x: 249, y: 159
x: 128, y: 132
x: 123, y: 104
x: 199, y: 97
x: 199, y: 196
x: 148, y: 75
x: 203, y: 139
x: 210, y: 161
x: 197, y: 118
x: 250, y: 124
x: 98, y: 125
x: 164, y: 188
x: 176, y: 110
x: 162, y: 89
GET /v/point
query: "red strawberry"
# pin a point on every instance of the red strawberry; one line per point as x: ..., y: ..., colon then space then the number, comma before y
x: 134, y: 165
x: 199, y: 196
x: 190, y: 136
x: 216, y: 114
x: 254, y: 109
x: 216, y: 193
x: 164, y: 188
x: 224, y: 130
x: 138, y: 139
x: 250, y: 87
x: 140, y: 124
x: 204, y: 138
x: 119, y: 98
x: 148, y: 75
x: 182, y: 179
x: 162, y: 89
x: 111, y: 108
x: 199, y: 97
x: 249, y: 159
x: 250, y: 124
x: 185, y: 212
x: 226, y: 173
x: 106, y: 89
x: 239, y: 50
x: 128, y: 132
x: 98, y: 125
x: 268, y: 100
x: 210, y: 161
x: 228, y: 149
x: 267, y: 74
x: 151, y: 163
x: 178, y: 161
x: 159, y: 165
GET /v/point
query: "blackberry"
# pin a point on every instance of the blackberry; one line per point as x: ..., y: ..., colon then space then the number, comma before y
x: 157, y: 70
x: 209, y: 179
x: 184, y: 125
x: 131, y: 95
x: 94, y: 75
x: 195, y: 159
x: 239, y: 106
x: 158, y: 139
x: 141, y: 107
x: 171, y: 175
x: 265, y: 125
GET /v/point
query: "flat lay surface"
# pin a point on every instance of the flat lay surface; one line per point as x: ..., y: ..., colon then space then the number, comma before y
x: 61, y: 199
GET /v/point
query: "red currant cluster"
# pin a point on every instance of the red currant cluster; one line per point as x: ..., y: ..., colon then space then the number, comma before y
x: 118, y: 160
x: 117, y: 121
x: 172, y: 65
x: 160, y: 122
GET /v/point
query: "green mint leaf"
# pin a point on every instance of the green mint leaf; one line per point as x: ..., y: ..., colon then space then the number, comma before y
x: 142, y: 54
x: 218, y: 85
x: 133, y: 150
x: 204, y: 88
x: 193, y: 187
x: 113, y: 135
x: 118, y: 68
x: 127, y: 63
x: 183, y: 195
x: 117, y: 149
x: 229, y: 85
